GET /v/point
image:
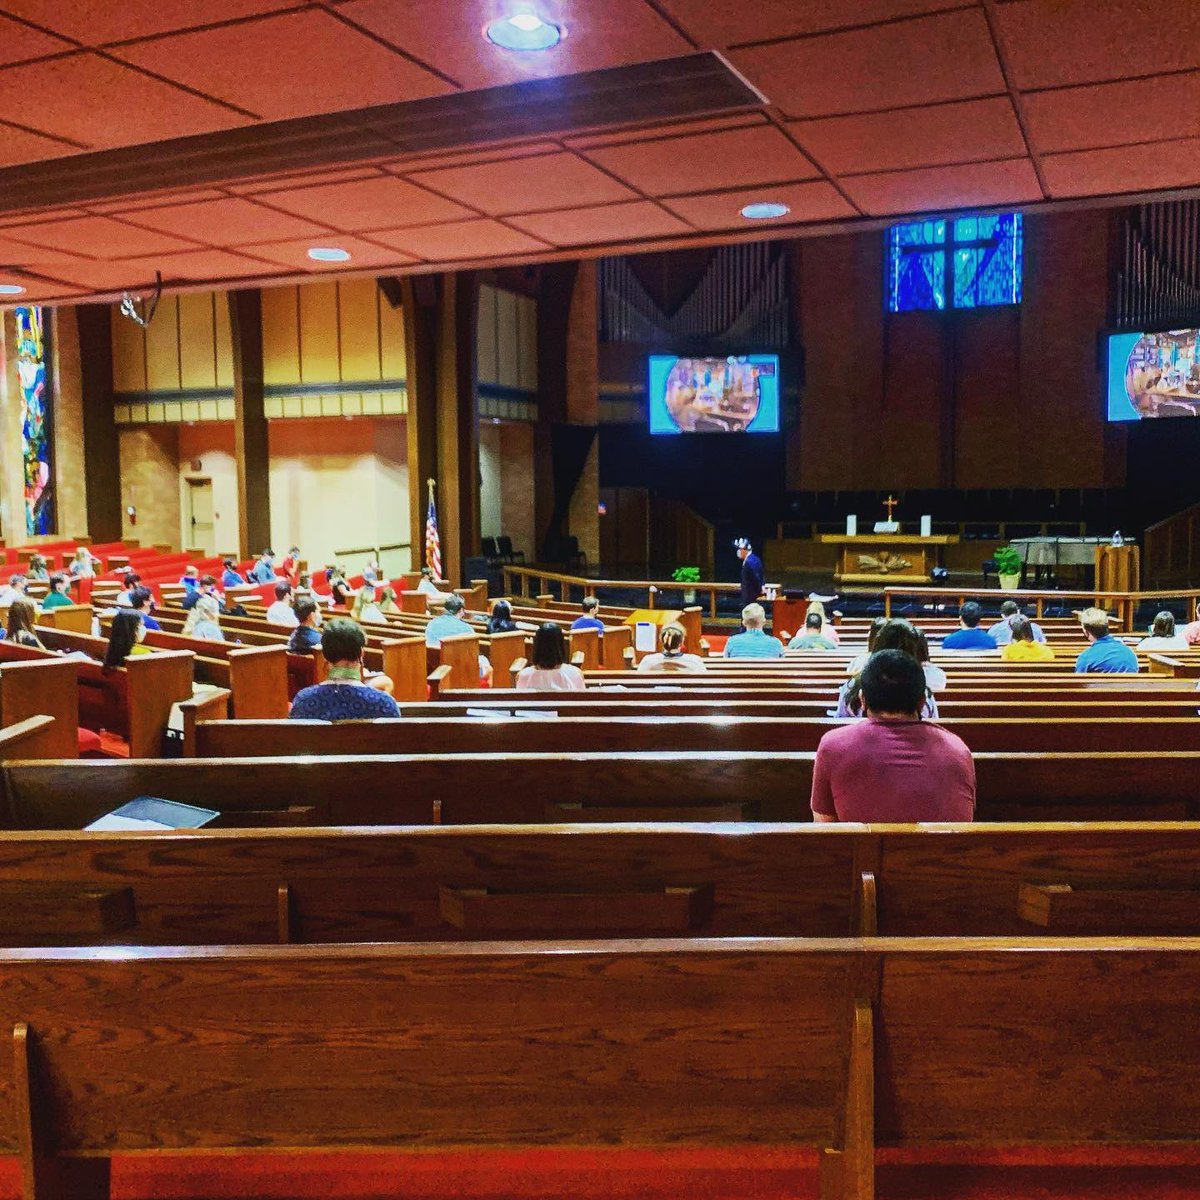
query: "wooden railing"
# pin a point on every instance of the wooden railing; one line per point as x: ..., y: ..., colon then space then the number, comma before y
x: 529, y: 582
x: 1171, y: 550
x: 1124, y: 604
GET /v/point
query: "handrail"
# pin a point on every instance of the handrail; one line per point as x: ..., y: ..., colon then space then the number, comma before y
x: 589, y: 586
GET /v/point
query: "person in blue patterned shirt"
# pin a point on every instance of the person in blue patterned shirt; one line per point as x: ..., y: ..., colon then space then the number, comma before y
x: 343, y: 696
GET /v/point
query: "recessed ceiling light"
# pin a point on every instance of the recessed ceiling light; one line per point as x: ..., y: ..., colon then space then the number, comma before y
x: 524, y: 31
x: 329, y: 254
x: 764, y: 210
x: 11, y: 289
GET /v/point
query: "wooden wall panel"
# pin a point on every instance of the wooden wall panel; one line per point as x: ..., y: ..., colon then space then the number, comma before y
x: 358, y: 303
x: 162, y: 347
x: 319, y: 350
x: 224, y: 339
x: 486, y: 337
x: 197, y: 340
x: 281, y: 335
x: 129, y: 353
x: 527, y: 343
x: 507, y: 369
x: 391, y: 341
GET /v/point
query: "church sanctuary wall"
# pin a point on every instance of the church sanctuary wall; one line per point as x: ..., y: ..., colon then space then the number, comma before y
x: 150, y: 482
x: 992, y: 398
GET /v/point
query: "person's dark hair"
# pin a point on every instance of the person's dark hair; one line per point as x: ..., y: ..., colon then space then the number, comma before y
x: 207, y: 581
x: 922, y: 647
x: 428, y: 573
x: 140, y: 597
x: 228, y: 563
x: 1022, y: 629
x: 501, y: 620
x: 549, y: 647
x: 893, y: 682
x: 305, y: 609
x: 1164, y: 624
x: 893, y: 633
x: 969, y: 614
x: 873, y: 632
x: 453, y: 605
x: 590, y: 604
x: 57, y: 581
x: 122, y: 638
x: 130, y: 578
x: 283, y: 590
x: 813, y: 621
x: 343, y: 641
x: 268, y: 552
x: 1009, y: 608
x: 672, y: 637
x: 22, y: 617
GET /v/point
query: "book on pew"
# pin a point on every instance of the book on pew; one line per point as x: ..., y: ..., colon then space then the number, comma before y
x: 494, y: 714
x: 149, y: 814
x: 535, y: 714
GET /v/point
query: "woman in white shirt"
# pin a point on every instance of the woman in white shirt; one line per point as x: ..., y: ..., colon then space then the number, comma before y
x: 203, y: 620
x: 672, y: 657
x: 550, y: 671
x: 1163, y: 635
x: 365, y: 608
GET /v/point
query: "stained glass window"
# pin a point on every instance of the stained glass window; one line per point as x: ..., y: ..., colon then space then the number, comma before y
x: 36, y: 430
x: 967, y: 262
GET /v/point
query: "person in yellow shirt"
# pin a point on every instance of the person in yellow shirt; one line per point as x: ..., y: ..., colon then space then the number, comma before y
x: 1023, y: 648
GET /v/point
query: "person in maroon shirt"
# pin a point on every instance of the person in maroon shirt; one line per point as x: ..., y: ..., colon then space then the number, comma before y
x: 893, y: 767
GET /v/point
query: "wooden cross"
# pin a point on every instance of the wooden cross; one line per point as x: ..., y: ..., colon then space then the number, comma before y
x: 890, y: 503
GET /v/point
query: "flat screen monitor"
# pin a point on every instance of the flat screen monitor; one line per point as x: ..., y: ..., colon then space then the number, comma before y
x: 1151, y: 375
x: 736, y: 393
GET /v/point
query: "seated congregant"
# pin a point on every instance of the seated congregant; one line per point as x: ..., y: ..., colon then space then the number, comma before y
x: 449, y: 624
x: 306, y: 637
x: 57, y: 596
x: 229, y: 574
x: 203, y: 620
x: 893, y: 767
x: 263, y: 570
x: 129, y: 581
x: 14, y: 589
x: 190, y: 578
x: 673, y: 656
x: 124, y: 639
x: 1002, y: 630
x: 387, y: 601
x: 755, y: 642
x: 895, y: 633
x: 1023, y: 646
x: 812, y: 637
x: 22, y: 621
x: 281, y: 611
x: 427, y: 585
x: 1191, y: 631
x: 1163, y: 635
x: 549, y: 670
x: 141, y: 601
x: 817, y: 606
x: 1104, y: 655
x: 969, y: 636
x: 290, y: 567
x: 365, y: 607
x: 83, y: 565
x: 590, y: 618
x: 343, y: 696
x: 500, y: 619
x: 38, y: 569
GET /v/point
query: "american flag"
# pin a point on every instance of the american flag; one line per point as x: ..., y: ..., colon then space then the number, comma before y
x: 433, y: 542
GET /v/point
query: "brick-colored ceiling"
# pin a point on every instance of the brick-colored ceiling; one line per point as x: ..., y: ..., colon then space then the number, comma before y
x: 874, y: 109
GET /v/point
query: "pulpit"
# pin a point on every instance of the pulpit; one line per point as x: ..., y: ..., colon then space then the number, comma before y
x: 1118, y: 568
x: 885, y: 558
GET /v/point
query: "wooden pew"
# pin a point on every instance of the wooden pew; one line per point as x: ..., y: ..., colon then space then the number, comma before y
x: 585, y: 648
x: 29, y: 738
x: 579, y: 788
x: 473, y: 735
x: 895, y: 1043
x: 74, y: 617
x: 42, y: 687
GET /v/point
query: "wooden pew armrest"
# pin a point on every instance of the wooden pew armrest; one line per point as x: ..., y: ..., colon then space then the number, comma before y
x: 437, y: 677
x: 517, y: 666
x: 23, y: 738
x: 578, y: 659
x: 1060, y: 908
x: 214, y: 707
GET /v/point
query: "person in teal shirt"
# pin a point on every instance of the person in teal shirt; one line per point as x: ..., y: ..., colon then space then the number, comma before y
x: 1105, y: 655
x: 755, y: 642
x: 57, y: 595
x: 449, y: 624
x: 811, y: 638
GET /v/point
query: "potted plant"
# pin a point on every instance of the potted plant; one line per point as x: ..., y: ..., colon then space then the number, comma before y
x: 1008, y: 567
x: 687, y: 575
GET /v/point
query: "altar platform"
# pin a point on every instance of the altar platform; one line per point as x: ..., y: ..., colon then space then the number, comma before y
x: 887, y: 557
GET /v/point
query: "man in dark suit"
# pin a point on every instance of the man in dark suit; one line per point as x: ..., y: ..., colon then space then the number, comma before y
x: 752, y: 571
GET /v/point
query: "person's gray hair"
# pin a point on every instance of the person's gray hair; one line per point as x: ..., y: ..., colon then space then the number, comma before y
x: 754, y: 616
x: 453, y: 604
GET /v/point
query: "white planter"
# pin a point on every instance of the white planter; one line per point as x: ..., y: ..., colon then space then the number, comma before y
x: 1010, y: 582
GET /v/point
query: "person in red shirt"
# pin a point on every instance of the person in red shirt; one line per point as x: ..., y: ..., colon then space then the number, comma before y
x: 893, y: 767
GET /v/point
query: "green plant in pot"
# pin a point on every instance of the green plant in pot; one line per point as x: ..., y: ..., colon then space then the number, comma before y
x: 687, y: 575
x: 1008, y: 567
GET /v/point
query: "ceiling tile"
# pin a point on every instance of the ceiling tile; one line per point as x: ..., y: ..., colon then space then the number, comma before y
x: 155, y: 200
x: 616, y: 223
x: 200, y: 266
x: 733, y: 22
x: 225, y: 222
x: 922, y: 61
x: 290, y: 65
x: 737, y: 157
x: 294, y: 255
x: 933, y: 136
x: 100, y: 104
x: 943, y: 188
x: 817, y: 201
x: 382, y: 202
x: 33, y: 216
x: 642, y: 133
x: 1109, y: 114
x: 95, y: 22
x: 301, y: 179
x: 100, y: 237
x: 19, y: 42
x: 20, y: 146
x: 492, y: 152
x: 36, y: 290
x: 1124, y: 169
x: 461, y: 240
x: 19, y: 254
x: 526, y: 184
x: 448, y: 34
x: 1049, y: 43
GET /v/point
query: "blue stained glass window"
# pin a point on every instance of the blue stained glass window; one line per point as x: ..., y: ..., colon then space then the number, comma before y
x: 972, y: 261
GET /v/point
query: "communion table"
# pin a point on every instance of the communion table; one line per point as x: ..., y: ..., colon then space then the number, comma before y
x: 887, y: 557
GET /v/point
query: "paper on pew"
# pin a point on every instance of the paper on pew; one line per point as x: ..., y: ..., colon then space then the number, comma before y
x: 493, y: 713
x: 111, y: 823
x: 645, y: 637
x: 535, y: 713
